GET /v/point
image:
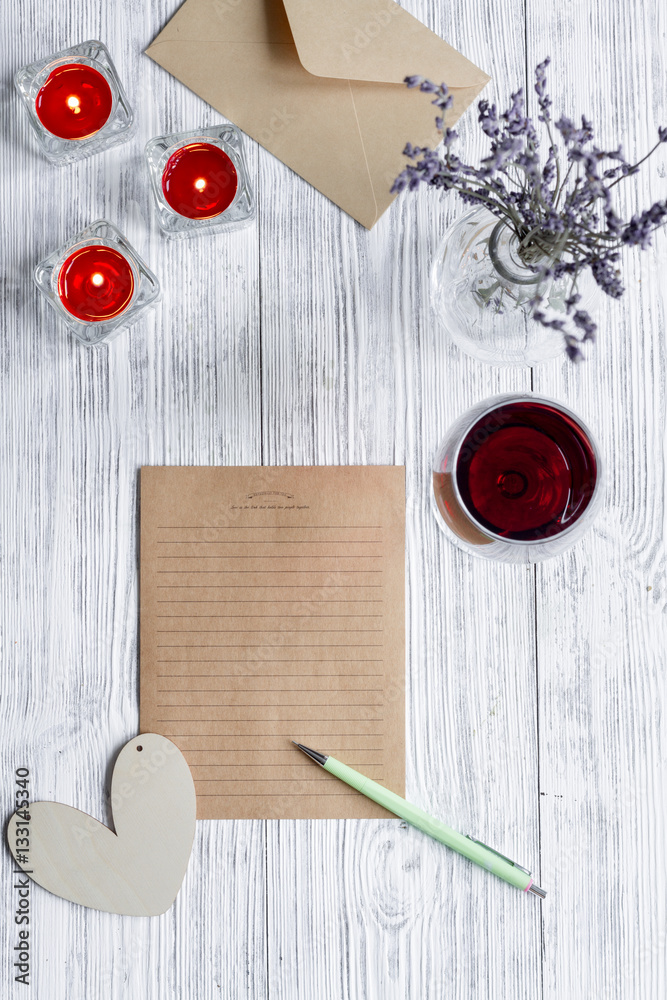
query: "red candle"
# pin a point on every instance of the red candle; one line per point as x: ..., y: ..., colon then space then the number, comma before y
x: 96, y: 283
x: 74, y: 102
x: 199, y: 181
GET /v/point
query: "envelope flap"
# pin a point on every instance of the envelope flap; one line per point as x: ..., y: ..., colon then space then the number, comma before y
x: 248, y: 22
x: 374, y: 40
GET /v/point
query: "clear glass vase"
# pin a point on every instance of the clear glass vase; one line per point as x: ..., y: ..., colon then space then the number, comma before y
x: 481, y: 292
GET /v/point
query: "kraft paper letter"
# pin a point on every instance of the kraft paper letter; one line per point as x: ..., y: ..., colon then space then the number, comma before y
x: 319, y: 83
x: 272, y: 609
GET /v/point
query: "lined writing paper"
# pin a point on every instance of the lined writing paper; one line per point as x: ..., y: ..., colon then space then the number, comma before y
x: 272, y: 609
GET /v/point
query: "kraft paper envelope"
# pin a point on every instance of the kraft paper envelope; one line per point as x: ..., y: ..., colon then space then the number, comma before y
x: 319, y: 83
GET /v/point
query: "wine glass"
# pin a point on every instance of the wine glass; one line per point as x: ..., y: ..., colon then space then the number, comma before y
x: 518, y: 478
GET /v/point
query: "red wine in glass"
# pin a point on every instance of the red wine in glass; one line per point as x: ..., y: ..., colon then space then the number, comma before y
x: 523, y: 471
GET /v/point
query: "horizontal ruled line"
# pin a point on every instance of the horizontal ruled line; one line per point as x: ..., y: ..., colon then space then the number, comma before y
x: 262, y: 572
x: 269, y: 795
x: 274, y: 781
x: 272, y: 660
x: 192, y: 690
x: 265, y: 616
x: 376, y: 600
x: 244, y: 736
x: 261, y: 586
x: 255, y: 631
x: 265, y: 527
x: 226, y: 721
x: 271, y: 541
x: 307, y: 674
x: 285, y: 704
x: 263, y: 750
x: 261, y: 677
x: 268, y: 645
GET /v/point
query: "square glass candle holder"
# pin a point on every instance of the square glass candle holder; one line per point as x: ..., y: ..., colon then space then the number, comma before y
x: 75, y: 102
x: 200, y: 181
x: 97, y: 283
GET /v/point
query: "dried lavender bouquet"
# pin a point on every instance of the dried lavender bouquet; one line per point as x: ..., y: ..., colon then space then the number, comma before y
x: 559, y: 207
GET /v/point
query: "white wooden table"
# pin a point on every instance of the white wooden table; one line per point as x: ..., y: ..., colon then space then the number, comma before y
x: 535, y: 697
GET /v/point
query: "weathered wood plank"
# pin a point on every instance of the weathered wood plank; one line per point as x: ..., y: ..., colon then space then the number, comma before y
x: 181, y: 387
x: 602, y: 628
x: 355, y: 370
x: 349, y: 367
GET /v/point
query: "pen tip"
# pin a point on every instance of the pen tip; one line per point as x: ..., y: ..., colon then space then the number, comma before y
x: 319, y: 758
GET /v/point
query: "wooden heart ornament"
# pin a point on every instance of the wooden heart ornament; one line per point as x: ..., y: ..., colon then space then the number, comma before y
x: 137, y: 870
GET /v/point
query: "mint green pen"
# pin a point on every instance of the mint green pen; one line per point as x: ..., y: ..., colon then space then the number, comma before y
x: 470, y: 848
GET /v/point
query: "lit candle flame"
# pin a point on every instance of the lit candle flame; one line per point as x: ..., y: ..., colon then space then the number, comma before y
x: 200, y: 183
x: 97, y: 279
x: 74, y: 104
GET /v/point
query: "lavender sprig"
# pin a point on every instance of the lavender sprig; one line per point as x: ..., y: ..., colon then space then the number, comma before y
x: 558, y: 204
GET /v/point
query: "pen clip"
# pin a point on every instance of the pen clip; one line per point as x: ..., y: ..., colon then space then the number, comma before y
x: 494, y: 851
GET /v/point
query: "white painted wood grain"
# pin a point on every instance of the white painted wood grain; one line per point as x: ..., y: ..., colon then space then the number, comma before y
x: 306, y: 339
x: 602, y: 627
x: 374, y: 910
x: 182, y: 387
